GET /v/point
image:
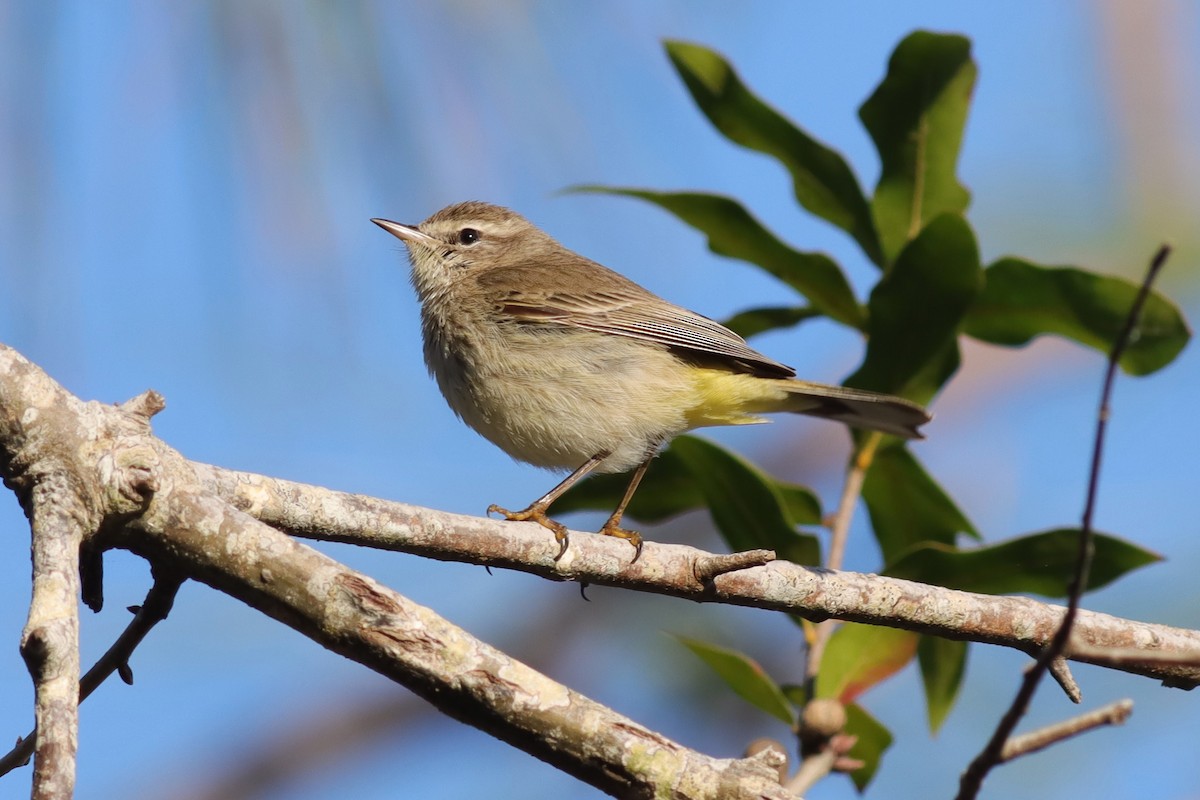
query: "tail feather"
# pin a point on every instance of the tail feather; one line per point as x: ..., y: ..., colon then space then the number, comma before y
x: 857, y: 408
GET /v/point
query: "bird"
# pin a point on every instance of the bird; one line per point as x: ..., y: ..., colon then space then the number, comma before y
x: 565, y: 364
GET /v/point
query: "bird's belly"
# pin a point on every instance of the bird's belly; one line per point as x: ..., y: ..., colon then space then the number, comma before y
x: 557, y: 399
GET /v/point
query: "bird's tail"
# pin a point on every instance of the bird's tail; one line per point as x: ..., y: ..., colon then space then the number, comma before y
x: 857, y: 408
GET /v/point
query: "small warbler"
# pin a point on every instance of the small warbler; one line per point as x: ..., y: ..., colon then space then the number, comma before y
x: 563, y: 363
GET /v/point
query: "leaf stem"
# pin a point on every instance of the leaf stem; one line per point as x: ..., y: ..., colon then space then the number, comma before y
x: 839, y: 533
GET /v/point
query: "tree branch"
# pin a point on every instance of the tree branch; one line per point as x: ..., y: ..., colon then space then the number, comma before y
x: 116, y: 659
x: 981, y: 765
x: 1111, y: 714
x: 1019, y: 622
x: 50, y: 641
x: 182, y: 516
x: 351, y: 614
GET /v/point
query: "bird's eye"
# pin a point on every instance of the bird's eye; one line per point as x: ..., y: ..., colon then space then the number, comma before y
x: 468, y: 236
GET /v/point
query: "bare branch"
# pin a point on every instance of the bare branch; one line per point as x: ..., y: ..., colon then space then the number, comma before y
x: 1018, y: 622
x: 155, y: 609
x: 1111, y: 714
x: 351, y: 614
x: 710, y: 566
x: 1061, y: 672
x: 977, y: 770
x: 50, y: 641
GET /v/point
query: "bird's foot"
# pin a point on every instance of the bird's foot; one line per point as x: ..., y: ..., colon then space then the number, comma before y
x: 613, y: 528
x: 536, y: 513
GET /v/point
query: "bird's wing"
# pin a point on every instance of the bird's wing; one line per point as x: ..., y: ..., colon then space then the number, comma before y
x: 622, y: 308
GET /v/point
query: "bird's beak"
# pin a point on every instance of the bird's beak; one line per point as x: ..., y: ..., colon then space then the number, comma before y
x: 405, y: 233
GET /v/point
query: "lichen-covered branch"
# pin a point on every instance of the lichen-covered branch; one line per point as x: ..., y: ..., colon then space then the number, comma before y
x: 351, y: 614
x: 1017, y: 622
x: 50, y: 641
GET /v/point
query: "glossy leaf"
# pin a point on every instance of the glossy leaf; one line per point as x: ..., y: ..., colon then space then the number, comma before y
x: 823, y: 182
x: 906, y: 505
x: 745, y: 677
x: 942, y: 662
x: 732, y: 231
x: 1040, y: 563
x: 754, y: 321
x: 747, y: 506
x: 1021, y: 300
x: 873, y: 741
x: 916, y: 310
x: 916, y: 118
x: 859, y: 656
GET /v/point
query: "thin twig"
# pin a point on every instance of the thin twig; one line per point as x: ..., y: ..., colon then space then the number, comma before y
x: 1060, y: 670
x: 1111, y: 714
x: 155, y: 609
x: 708, y: 567
x: 972, y: 778
x: 812, y: 770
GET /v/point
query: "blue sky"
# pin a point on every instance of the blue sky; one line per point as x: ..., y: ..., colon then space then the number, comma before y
x: 185, y: 192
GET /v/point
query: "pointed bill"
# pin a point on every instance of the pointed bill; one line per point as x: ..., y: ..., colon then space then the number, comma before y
x: 405, y: 233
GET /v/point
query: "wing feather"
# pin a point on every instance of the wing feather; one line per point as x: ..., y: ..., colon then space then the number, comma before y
x: 639, y: 317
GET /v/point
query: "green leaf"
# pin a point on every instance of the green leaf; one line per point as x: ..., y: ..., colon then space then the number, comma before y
x: 1021, y: 300
x: 943, y: 662
x: 732, y: 231
x: 873, y: 740
x: 754, y: 321
x: 916, y: 118
x: 906, y: 505
x: 748, y: 507
x: 795, y: 694
x: 822, y: 180
x: 1039, y: 563
x: 744, y: 676
x: 859, y: 656
x: 801, y: 505
x: 916, y: 308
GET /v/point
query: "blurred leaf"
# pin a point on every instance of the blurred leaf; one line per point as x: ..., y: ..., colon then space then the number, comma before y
x: 748, y: 506
x: 1021, y: 300
x: 916, y: 118
x: 754, y: 321
x: 745, y: 677
x: 873, y: 740
x: 821, y: 179
x: 943, y: 662
x: 666, y: 490
x: 916, y: 308
x: 795, y: 694
x: 733, y: 232
x: 859, y: 656
x: 1039, y: 563
x: 906, y: 505
x: 801, y: 505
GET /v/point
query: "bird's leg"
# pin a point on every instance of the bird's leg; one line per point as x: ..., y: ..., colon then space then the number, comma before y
x: 613, y: 526
x: 536, y: 512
